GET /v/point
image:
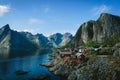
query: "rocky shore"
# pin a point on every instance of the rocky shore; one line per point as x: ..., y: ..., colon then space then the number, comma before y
x: 98, y: 67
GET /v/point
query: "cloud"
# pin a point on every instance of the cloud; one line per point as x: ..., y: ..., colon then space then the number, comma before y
x: 4, y: 9
x: 35, y: 21
x: 101, y: 9
x: 29, y: 30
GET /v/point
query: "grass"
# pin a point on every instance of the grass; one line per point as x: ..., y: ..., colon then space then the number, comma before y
x: 90, y: 44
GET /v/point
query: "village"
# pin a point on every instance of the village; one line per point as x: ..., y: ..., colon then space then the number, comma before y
x: 76, y: 53
x: 70, y: 63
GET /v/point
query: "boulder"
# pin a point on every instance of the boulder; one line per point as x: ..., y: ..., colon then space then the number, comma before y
x: 116, y: 53
x: 40, y: 77
x: 20, y: 72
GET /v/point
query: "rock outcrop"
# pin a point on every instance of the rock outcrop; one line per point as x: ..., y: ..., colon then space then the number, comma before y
x: 105, y: 30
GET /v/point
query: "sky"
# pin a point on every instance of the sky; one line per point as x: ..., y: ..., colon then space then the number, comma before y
x: 53, y: 16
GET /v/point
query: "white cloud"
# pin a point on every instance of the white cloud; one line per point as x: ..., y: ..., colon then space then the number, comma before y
x: 4, y: 9
x: 101, y: 9
x: 35, y: 21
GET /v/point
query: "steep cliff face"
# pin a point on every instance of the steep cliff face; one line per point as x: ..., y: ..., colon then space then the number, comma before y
x: 105, y: 28
x: 4, y: 39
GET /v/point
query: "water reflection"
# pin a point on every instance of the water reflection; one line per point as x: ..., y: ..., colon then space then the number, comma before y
x: 5, y: 53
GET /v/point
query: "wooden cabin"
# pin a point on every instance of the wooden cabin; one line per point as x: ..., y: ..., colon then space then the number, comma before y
x: 85, y: 50
x: 79, y: 56
x: 81, y: 50
x: 64, y: 53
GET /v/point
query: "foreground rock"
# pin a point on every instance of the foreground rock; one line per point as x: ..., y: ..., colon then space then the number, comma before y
x: 20, y: 72
x: 117, y: 53
x: 99, y: 67
x: 63, y: 67
x: 40, y: 77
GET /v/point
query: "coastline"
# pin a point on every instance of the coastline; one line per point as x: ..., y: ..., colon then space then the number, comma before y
x: 97, y: 67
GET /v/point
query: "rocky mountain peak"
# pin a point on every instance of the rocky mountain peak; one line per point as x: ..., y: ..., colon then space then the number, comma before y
x: 107, y: 16
x: 5, y: 28
x: 4, y: 31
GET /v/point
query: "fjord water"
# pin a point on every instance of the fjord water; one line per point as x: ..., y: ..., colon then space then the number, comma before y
x: 26, y: 63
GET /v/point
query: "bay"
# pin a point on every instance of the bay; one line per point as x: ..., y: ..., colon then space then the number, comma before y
x: 25, y: 63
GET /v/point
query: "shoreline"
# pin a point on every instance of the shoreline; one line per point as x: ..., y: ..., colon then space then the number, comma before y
x: 79, y: 70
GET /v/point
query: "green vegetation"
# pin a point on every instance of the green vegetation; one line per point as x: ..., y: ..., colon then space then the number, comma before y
x: 91, y: 44
x: 65, y: 46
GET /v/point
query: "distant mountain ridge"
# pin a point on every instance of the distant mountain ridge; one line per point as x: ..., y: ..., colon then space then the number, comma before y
x: 13, y: 42
x: 59, y: 39
x: 105, y: 30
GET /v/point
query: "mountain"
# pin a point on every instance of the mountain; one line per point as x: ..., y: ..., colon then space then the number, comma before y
x: 59, y: 39
x: 4, y: 39
x: 43, y: 41
x: 105, y: 30
x: 39, y: 39
x: 15, y: 43
x: 66, y: 38
x: 20, y: 43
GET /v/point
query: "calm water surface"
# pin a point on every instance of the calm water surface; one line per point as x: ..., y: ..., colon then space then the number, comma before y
x: 29, y: 63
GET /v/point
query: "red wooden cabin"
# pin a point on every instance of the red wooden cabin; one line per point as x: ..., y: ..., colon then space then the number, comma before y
x: 64, y: 53
x: 80, y: 56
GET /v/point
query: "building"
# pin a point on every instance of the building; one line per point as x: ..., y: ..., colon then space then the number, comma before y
x: 79, y: 56
x: 81, y: 50
x: 85, y: 50
x: 64, y: 53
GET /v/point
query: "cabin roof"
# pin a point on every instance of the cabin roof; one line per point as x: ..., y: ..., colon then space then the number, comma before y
x: 78, y: 54
x: 65, y: 52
